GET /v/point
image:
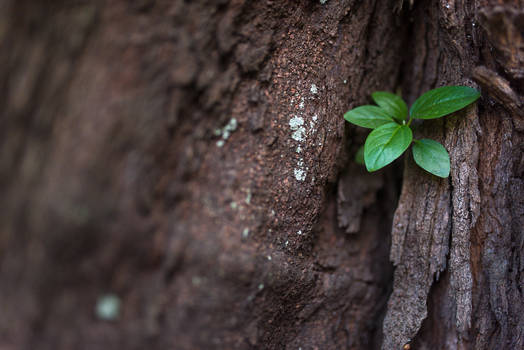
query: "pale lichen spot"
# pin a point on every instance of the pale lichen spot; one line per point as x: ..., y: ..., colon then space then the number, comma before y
x: 196, y: 281
x: 296, y: 122
x: 299, y: 232
x: 269, y: 257
x: 108, y: 307
x: 298, y: 135
x: 299, y: 149
x: 233, y: 205
x: 322, y: 2
x: 248, y: 197
x: 301, y: 104
x: 314, y: 89
x: 226, y: 131
x: 229, y: 128
x: 245, y: 233
x: 300, y: 174
x: 261, y: 286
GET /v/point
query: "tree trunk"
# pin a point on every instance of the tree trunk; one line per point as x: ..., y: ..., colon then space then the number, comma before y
x: 190, y: 157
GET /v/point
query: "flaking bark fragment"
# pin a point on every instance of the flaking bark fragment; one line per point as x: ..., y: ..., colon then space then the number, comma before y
x: 420, y: 239
x: 463, y: 146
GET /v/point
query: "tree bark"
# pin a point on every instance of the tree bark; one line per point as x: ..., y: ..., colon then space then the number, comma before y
x: 190, y: 157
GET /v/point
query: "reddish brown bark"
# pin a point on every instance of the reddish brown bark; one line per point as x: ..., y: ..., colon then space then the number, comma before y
x: 191, y: 158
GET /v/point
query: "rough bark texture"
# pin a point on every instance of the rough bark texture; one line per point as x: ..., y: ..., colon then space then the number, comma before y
x: 470, y: 226
x: 191, y: 157
x: 184, y: 156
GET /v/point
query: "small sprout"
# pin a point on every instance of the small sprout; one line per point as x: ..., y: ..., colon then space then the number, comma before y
x: 392, y: 135
x: 108, y: 307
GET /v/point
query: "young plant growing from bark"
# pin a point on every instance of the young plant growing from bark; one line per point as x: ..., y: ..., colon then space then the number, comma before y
x: 392, y: 135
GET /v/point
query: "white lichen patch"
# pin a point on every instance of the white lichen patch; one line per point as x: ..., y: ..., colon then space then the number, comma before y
x: 312, y: 122
x: 299, y: 232
x: 248, y: 197
x: 300, y: 174
x: 296, y: 122
x: 245, y: 233
x: 108, y: 307
x: 301, y: 129
x: 229, y: 128
x: 226, y: 131
x: 299, y: 134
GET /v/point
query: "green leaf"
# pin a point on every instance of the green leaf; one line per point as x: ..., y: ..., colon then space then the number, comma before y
x: 393, y: 104
x: 442, y: 101
x: 368, y: 116
x: 359, y: 156
x: 385, y: 144
x: 431, y: 156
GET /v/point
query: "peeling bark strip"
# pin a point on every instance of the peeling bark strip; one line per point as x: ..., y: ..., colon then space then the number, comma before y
x: 420, y: 240
x: 465, y: 208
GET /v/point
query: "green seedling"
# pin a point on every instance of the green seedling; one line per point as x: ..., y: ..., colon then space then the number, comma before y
x: 392, y: 135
